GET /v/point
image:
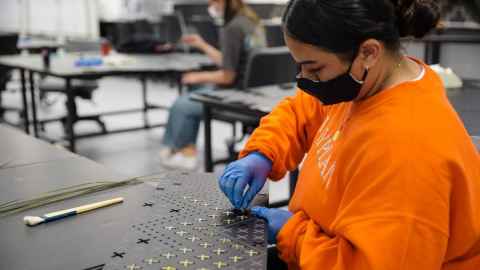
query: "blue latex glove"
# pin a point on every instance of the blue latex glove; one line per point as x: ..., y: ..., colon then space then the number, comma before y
x: 276, y: 218
x: 251, y: 170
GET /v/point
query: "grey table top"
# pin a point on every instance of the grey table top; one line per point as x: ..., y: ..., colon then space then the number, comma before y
x: 37, y: 167
x: 63, y: 65
x: 257, y: 100
x: 74, y: 243
x: 18, y: 149
x: 79, y: 242
x: 40, y: 43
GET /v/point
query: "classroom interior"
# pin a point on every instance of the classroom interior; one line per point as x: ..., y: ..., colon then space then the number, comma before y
x: 91, y: 82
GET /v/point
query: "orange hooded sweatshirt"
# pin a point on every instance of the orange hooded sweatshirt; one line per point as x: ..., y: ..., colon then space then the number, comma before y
x: 391, y: 182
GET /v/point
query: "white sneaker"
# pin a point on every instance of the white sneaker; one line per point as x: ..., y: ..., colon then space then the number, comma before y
x: 181, y: 161
x: 165, y: 153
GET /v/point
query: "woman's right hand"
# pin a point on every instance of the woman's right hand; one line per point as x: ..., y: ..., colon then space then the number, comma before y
x: 194, y: 40
x: 251, y: 170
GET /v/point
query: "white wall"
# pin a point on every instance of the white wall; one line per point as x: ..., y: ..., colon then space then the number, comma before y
x: 10, y: 15
x: 70, y: 18
x: 464, y: 59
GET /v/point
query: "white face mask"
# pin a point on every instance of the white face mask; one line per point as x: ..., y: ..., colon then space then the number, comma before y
x: 214, y: 13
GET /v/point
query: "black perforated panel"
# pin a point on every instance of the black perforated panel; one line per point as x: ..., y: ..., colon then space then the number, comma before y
x: 191, y: 226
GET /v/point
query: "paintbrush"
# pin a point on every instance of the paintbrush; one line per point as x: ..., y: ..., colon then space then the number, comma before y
x: 35, y: 220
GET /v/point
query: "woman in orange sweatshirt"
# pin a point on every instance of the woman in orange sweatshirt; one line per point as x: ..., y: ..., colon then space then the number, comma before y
x: 390, y: 179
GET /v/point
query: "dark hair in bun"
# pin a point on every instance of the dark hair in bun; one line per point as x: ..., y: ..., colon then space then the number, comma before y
x: 416, y: 17
x: 340, y: 26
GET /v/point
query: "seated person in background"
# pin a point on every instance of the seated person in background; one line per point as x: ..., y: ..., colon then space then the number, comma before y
x: 240, y: 33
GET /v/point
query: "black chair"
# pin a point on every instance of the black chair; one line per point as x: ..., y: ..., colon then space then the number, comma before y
x: 81, y: 88
x: 266, y: 66
x: 204, y: 26
x: 274, y: 35
x: 8, y: 46
x: 269, y: 66
x: 171, y: 28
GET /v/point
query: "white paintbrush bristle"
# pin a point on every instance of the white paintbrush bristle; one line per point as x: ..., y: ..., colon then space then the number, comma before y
x: 32, y: 221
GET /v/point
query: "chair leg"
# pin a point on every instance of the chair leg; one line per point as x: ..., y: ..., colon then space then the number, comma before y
x: 101, y: 124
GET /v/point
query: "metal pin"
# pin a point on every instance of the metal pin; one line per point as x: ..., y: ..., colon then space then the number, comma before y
x: 193, y: 238
x: 185, y: 250
x: 186, y: 263
x: 205, y: 245
x: 203, y: 257
x: 133, y: 267
x: 225, y: 240
x: 220, y: 264
x: 237, y: 246
x: 169, y: 255
x: 235, y: 259
x: 242, y: 218
x: 181, y: 233
x: 219, y: 251
x: 151, y: 261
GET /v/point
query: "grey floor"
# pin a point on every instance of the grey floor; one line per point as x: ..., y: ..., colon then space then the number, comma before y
x: 136, y: 153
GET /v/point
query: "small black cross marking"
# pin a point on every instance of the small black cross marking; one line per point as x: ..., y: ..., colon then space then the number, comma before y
x: 118, y: 254
x: 147, y: 204
x: 143, y: 241
x: 174, y: 210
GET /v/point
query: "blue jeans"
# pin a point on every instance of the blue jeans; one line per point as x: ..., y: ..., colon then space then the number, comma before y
x: 184, y: 120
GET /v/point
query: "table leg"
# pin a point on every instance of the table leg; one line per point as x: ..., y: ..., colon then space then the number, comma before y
x: 207, y: 118
x: 24, y: 101
x: 34, y: 103
x: 436, y: 51
x: 179, y: 83
x: 143, y: 80
x: 70, y: 114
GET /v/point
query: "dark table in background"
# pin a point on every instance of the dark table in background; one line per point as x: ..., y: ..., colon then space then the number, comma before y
x: 434, y: 41
x: 256, y: 102
x: 63, y: 67
x: 36, y: 45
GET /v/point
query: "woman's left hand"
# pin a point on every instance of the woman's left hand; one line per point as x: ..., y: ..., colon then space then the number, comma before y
x: 190, y: 78
x: 276, y: 218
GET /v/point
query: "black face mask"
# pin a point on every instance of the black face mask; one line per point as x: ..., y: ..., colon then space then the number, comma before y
x: 343, y: 88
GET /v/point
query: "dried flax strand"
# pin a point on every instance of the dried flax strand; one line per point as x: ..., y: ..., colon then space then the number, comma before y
x: 57, y: 195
